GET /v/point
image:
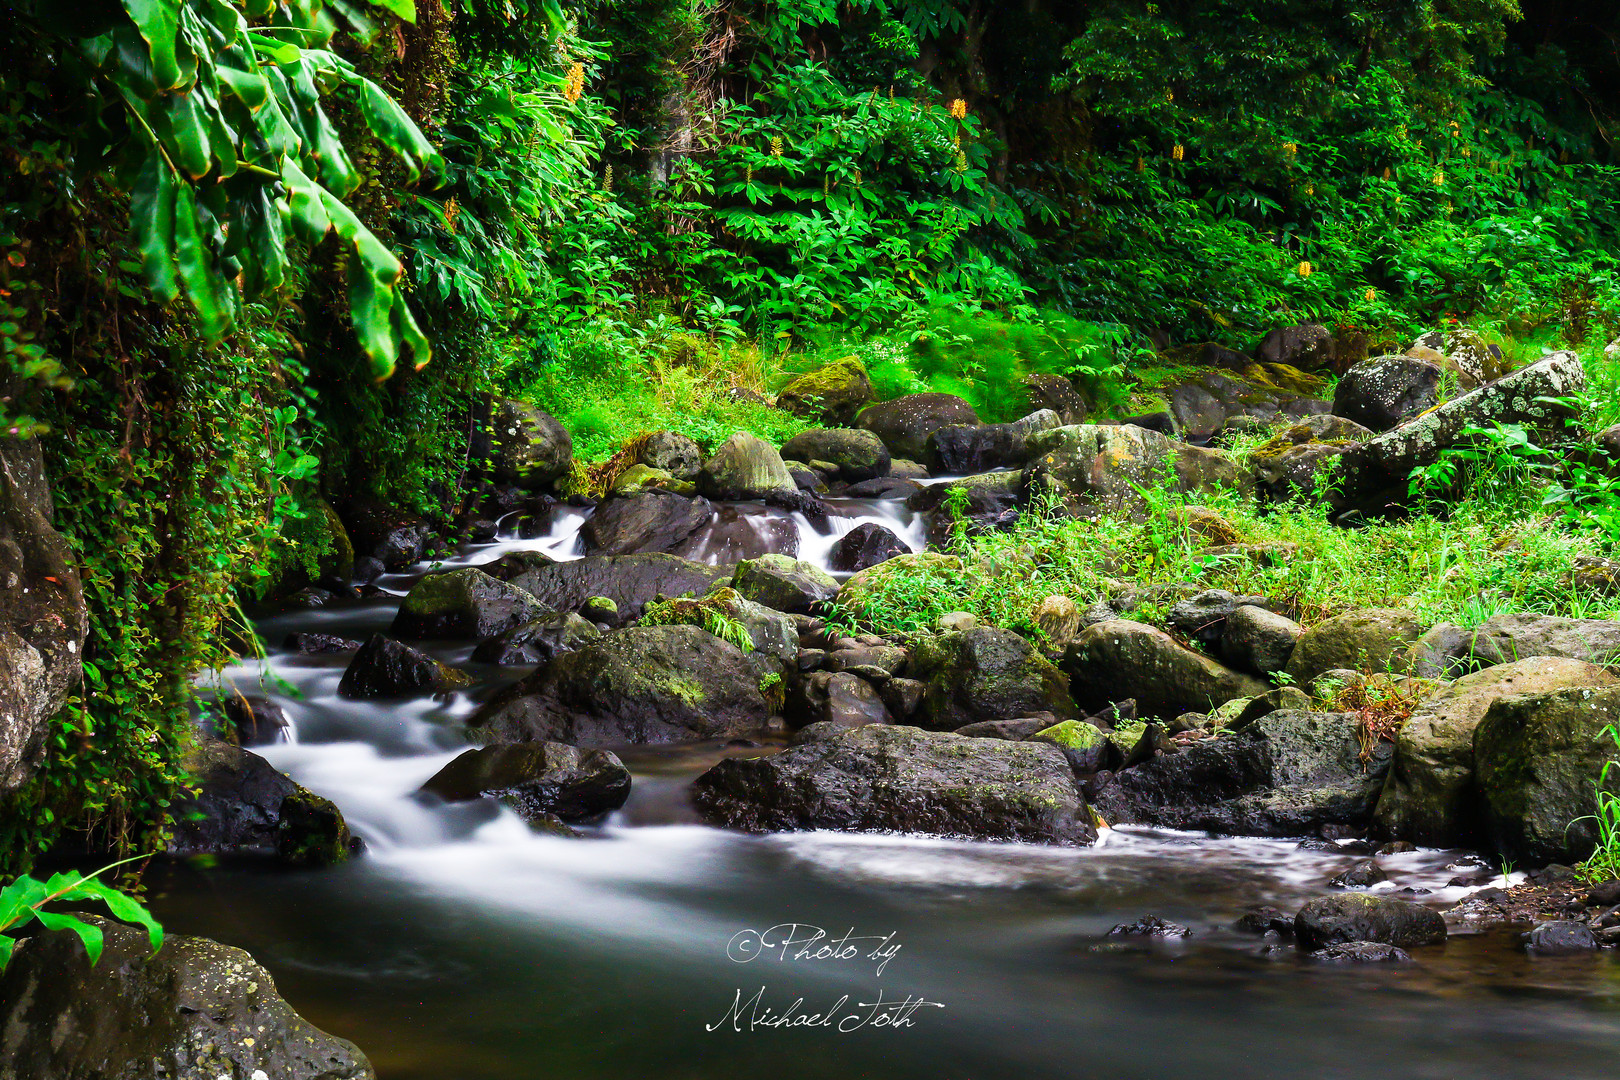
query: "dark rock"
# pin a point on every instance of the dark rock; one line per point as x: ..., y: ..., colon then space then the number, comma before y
x: 306, y: 599
x: 675, y: 454
x: 1605, y: 894
x: 391, y: 536
x: 516, y: 563
x: 784, y: 583
x: 1396, y: 847
x: 888, y: 659
x: 1058, y: 394
x: 859, y: 454
x: 867, y: 544
x: 538, y: 640
x: 630, y: 581
x: 319, y: 644
x: 1560, y: 938
x: 1014, y: 730
x: 383, y: 668
x: 1363, y: 875
x: 1308, y: 347
x: 882, y: 778
x: 838, y: 698
x: 537, y: 778
x: 647, y: 684
x: 1211, y: 401
x: 255, y: 721
x: 1286, y: 467
x: 902, y: 697
x: 193, y: 1010
x: 1119, y: 658
x: 1265, y: 920
x: 1382, y: 392
x: 650, y: 521
x: 1150, y: 926
x: 1257, y: 640
x: 906, y: 423
x: 1202, y: 618
x: 243, y: 807
x: 961, y: 450
x: 1361, y: 952
x: 367, y: 569
x: 1102, y: 469
x: 1284, y: 697
x: 529, y: 448
x: 884, y: 487
x: 481, y: 531
x: 1359, y: 917
x: 1369, y: 639
x: 744, y: 467
x: 830, y: 395
x: 1448, y: 651
x: 463, y: 604
x: 986, y: 674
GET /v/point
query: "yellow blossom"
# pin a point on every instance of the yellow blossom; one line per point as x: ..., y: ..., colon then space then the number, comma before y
x: 959, y: 108
x: 1178, y: 152
x: 574, y: 86
x: 1304, y: 269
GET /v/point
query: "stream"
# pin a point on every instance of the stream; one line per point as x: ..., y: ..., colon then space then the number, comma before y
x: 464, y: 946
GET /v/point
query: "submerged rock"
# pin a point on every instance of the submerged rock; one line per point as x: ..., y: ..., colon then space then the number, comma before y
x: 1361, y: 952
x: 383, y: 668
x: 1363, y: 917
x: 883, y: 778
x: 1560, y: 937
x: 193, y: 1010
x: 465, y: 603
x: 986, y: 674
x: 537, y: 779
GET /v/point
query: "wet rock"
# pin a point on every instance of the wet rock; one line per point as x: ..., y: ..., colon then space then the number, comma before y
x: 1058, y: 394
x: 837, y: 698
x: 885, y: 659
x: 1283, y: 697
x: 1369, y: 639
x: 1266, y: 395
x: 1373, y: 477
x: 900, y: 779
x: 650, y: 521
x: 1605, y: 894
x: 1363, y: 875
x: 1287, y: 774
x: 515, y: 563
x: 1087, y: 747
x: 960, y: 450
x: 646, y: 684
x: 1382, y: 392
x: 978, y: 512
x: 244, y: 807
x: 744, y: 467
x: 831, y: 395
x: 393, y: 537
x: 1016, y: 730
x: 902, y: 697
x: 906, y: 423
x: 1537, y: 759
x: 675, y: 454
x: 1287, y: 465
x: 1361, y: 952
x: 1202, y: 618
x: 866, y: 545
x: 1259, y: 641
x: 1429, y: 797
x: 254, y: 721
x: 1116, y: 659
x: 1098, y: 469
x: 784, y: 583
x: 630, y: 581
x: 529, y: 448
x: 1308, y: 347
x: 1363, y: 917
x: 463, y: 604
x: 318, y: 644
x: 1265, y: 920
x: 858, y: 454
x: 986, y: 674
x: 1150, y: 926
x: 1561, y: 937
x: 306, y: 599
x: 538, y: 640
x: 368, y: 569
x: 537, y: 778
x: 193, y: 1010
x: 383, y: 668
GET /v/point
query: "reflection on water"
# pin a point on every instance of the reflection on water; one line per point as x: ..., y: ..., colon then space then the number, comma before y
x: 466, y: 947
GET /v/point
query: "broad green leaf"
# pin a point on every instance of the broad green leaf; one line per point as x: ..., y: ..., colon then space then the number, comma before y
x: 188, y: 142
x: 6, y: 946
x: 123, y: 907
x: 151, y: 219
x: 205, y: 287
x: 159, y: 23
x: 405, y: 9
x: 90, y: 935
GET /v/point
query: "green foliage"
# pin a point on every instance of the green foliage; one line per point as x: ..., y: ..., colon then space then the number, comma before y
x: 25, y: 898
x: 714, y: 613
x: 1605, y: 861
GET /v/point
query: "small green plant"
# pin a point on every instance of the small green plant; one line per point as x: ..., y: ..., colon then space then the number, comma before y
x: 24, y: 900
x: 1605, y: 861
x: 713, y: 613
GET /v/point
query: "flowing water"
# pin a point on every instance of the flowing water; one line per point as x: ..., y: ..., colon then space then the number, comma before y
x: 463, y: 946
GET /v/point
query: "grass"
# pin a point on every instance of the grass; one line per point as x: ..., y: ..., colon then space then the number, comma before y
x: 1605, y: 861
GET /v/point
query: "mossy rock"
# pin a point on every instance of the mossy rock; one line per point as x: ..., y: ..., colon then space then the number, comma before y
x: 831, y: 395
x: 986, y: 674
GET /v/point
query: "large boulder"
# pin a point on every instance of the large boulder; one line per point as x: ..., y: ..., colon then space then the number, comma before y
x: 43, y: 619
x: 394, y: 537
x: 646, y: 684
x: 834, y: 697
x: 1258, y: 640
x: 1308, y: 347
x: 528, y: 447
x: 192, y: 1010
x: 1099, y: 469
x: 1286, y: 466
x: 1368, y: 639
x: 784, y: 584
x: 882, y: 778
x: 465, y: 603
x: 673, y: 453
x: 1373, y: 477
x: 1537, y: 761
x: 1118, y: 659
x: 864, y: 546
x: 832, y: 394
x: 1428, y: 798
x: 744, y: 467
x: 1382, y: 392
x: 859, y: 455
x: 1465, y: 352
x: 863, y: 590
x: 1350, y: 917
x: 986, y: 674
x: 630, y: 581
x: 1058, y: 394
x: 537, y: 640
x: 961, y: 450
x: 1447, y: 651
x: 648, y: 521
x: 1289, y: 773
x: 906, y: 423
x: 383, y: 668
x: 1204, y: 405
x: 244, y: 807
x: 537, y: 779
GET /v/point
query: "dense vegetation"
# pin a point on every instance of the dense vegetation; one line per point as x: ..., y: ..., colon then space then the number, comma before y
x: 257, y: 253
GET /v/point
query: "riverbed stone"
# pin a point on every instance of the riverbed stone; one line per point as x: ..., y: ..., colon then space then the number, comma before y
x: 1120, y: 659
x: 1099, y: 469
x: 1202, y: 618
x: 745, y: 466
x: 463, y: 604
x: 673, y: 453
x: 905, y: 423
x: 243, y: 807
x: 538, y: 640
x: 1537, y: 760
x: 837, y: 698
x: 1286, y: 466
x: 384, y: 668
x: 962, y: 450
x: 630, y: 581
x: 1429, y: 796
x: 649, y: 521
x: 192, y: 1010
x: 883, y: 778
x: 1367, y: 639
x: 1448, y: 651
x: 394, y: 537
x: 537, y: 778
x: 857, y: 454
x: 1258, y: 640
x: 1361, y: 952
x: 1338, y: 920
x: 864, y: 546
x: 832, y: 394
x: 986, y: 674
x: 784, y: 583
x: 864, y: 588
x: 645, y: 684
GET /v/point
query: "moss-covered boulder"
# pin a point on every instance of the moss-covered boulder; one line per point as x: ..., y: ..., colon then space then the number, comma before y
x: 1448, y: 650
x: 538, y: 640
x: 1099, y: 469
x: 673, y: 453
x: 1355, y: 916
x: 1118, y: 659
x: 784, y: 583
x: 646, y: 684
x: 831, y: 395
x: 1307, y: 346
x: 858, y: 454
x: 1287, y: 465
x: 1368, y: 639
x: 1537, y: 760
x: 986, y: 674
x: 1264, y: 394
x: 528, y: 447
x: 1429, y: 796
x: 884, y: 778
x: 537, y: 779
x: 192, y: 1010
x: 744, y: 467
x: 466, y: 604
x: 905, y: 423
x: 318, y: 549
x: 630, y: 581
x: 867, y: 587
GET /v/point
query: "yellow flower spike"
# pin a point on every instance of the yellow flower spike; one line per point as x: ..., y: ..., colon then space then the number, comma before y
x: 1141, y: 166
x: 1178, y: 152
x: 574, y: 87
x: 956, y: 141
x: 776, y: 146
x: 1169, y: 96
x: 1372, y: 294
x: 959, y: 108
x: 1386, y: 172
x: 1439, y: 178
x: 1304, y: 269
x: 1291, y: 149
x: 607, y: 179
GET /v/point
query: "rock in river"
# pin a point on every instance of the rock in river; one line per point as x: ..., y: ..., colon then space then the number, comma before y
x: 1118, y: 659
x: 883, y: 778
x: 465, y: 603
x: 1338, y: 920
x: 630, y: 581
x: 986, y: 674
x: 383, y: 668
x: 536, y: 779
